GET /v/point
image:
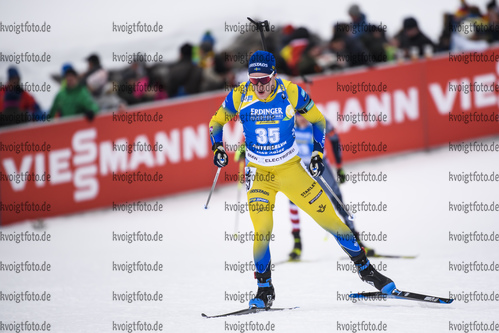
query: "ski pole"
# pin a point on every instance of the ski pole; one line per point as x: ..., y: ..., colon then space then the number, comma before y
x: 239, y: 186
x: 260, y: 26
x: 212, y: 188
x: 337, y: 199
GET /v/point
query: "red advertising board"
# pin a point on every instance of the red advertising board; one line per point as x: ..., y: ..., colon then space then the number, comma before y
x: 390, y: 115
x: 89, y: 162
x: 459, y: 115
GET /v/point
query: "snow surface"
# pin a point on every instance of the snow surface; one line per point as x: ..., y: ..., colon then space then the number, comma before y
x: 194, y: 252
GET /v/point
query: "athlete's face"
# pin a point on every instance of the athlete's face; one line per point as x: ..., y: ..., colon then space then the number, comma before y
x: 263, y: 90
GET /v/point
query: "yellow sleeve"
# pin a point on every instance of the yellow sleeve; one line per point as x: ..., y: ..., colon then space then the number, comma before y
x: 227, y: 111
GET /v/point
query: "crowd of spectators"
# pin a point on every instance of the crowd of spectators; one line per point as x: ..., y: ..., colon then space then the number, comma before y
x: 298, y: 52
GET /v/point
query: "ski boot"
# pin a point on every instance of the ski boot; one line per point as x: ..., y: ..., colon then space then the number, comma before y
x: 296, y: 252
x: 265, y: 294
x: 370, y: 275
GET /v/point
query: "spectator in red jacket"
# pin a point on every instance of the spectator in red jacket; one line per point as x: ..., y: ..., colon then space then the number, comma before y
x: 13, y: 96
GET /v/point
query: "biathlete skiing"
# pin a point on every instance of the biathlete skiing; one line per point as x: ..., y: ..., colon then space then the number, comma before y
x: 266, y: 106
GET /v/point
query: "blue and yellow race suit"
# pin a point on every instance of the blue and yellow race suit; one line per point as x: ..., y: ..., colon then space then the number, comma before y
x: 273, y: 163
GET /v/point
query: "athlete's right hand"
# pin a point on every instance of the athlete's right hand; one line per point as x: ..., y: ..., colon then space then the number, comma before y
x: 220, y: 159
x: 316, y: 166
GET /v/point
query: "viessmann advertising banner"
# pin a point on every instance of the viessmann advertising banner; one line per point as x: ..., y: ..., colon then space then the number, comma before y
x: 125, y: 157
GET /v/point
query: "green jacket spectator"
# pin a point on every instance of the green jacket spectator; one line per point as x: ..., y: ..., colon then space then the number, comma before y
x: 73, y: 99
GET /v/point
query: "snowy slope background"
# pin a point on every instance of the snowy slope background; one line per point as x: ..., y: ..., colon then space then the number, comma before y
x: 194, y: 253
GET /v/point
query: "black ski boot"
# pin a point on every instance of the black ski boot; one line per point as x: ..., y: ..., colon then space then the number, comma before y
x: 265, y: 294
x: 296, y: 253
x: 369, y: 274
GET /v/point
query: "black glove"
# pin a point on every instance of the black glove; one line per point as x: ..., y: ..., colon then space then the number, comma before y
x: 220, y: 159
x: 341, y: 176
x: 90, y: 115
x: 316, y: 166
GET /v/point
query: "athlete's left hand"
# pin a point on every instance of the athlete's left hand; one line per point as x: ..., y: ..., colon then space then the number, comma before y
x: 316, y: 166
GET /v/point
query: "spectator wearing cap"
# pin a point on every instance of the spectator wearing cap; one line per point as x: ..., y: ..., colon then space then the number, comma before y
x: 185, y: 76
x: 445, y: 36
x: 359, y: 23
x: 95, y: 78
x: 412, y: 36
x: 74, y: 98
x: 287, y: 32
x: 350, y: 51
x: 97, y: 81
x: 376, y: 43
x: 65, y: 67
x: 13, y: 96
x: 16, y: 105
x: 206, y: 52
x: 372, y: 37
x: 215, y: 71
x: 61, y: 79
